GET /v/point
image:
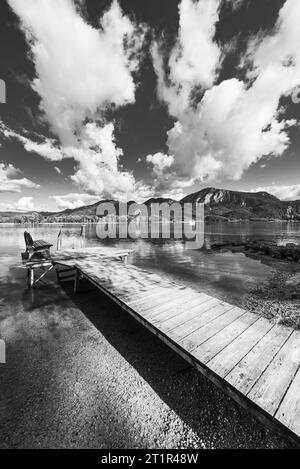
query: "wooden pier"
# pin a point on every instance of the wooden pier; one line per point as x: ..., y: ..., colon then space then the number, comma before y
x: 250, y: 358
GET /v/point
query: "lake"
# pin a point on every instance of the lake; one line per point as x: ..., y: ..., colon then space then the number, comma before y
x: 225, y: 275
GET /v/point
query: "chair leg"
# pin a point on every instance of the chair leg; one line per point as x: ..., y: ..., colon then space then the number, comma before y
x: 76, y: 281
x: 30, y: 277
x: 57, y: 274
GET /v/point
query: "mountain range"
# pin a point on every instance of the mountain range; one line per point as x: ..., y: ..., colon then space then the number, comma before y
x: 220, y: 204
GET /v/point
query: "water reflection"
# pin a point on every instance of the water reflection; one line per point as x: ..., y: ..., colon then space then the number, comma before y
x: 225, y: 275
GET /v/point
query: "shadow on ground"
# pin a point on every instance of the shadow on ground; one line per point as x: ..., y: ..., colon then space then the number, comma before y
x: 217, y: 420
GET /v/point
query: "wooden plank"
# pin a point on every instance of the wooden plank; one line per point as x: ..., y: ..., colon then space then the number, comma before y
x: 210, y: 348
x: 185, y: 307
x: 157, y: 304
x: 169, y: 307
x: 122, y: 281
x: 206, y: 313
x: 98, y: 252
x: 271, y: 387
x: 138, y: 297
x: 137, y: 289
x: 248, y: 370
x: 144, y: 283
x: 118, y: 278
x: 186, y: 315
x: 156, y: 294
x: 114, y: 287
x: 229, y: 357
x: 202, y: 334
x: 289, y: 410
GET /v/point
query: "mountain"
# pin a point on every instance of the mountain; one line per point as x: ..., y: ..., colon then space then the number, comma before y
x: 234, y: 205
x: 159, y: 200
x: 220, y: 204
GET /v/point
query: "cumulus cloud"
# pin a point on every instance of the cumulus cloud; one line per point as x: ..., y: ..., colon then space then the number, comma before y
x: 291, y: 192
x: 160, y: 162
x: 80, y: 69
x: 25, y: 204
x: 235, y: 4
x: 10, y: 180
x: 45, y: 147
x: 166, y: 181
x: 98, y: 155
x: 194, y: 60
x: 73, y: 200
x: 236, y: 122
x: 81, y: 73
x: 76, y: 200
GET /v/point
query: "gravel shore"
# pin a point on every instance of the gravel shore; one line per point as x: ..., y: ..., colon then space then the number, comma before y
x: 81, y: 373
x: 278, y: 299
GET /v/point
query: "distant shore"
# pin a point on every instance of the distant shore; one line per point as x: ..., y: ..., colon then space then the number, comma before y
x: 256, y: 220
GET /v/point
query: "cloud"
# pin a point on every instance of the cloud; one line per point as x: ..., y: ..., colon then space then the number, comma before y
x: 98, y: 170
x: 10, y: 180
x: 81, y: 73
x: 160, y: 162
x: 76, y: 200
x: 46, y: 147
x: 166, y: 181
x: 235, y: 4
x: 195, y: 58
x: 98, y: 156
x: 80, y: 70
x: 236, y: 122
x: 25, y: 204
x: 73, y: 200
x: 291, y: 192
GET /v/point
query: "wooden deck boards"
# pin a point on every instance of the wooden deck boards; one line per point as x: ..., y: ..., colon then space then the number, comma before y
x: 252, y: 359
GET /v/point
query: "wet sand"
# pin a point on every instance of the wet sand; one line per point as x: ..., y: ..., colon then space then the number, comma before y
x: 81, y: 373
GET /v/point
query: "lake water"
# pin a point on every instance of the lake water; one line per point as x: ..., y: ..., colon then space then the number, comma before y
x: 225, y: 275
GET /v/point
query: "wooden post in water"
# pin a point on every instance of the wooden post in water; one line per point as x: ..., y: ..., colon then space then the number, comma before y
x: 30, y: 277
x: 82, y: 236
x: 59, y: 240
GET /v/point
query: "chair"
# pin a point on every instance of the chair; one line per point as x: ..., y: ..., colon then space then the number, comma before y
x: 36, y: 250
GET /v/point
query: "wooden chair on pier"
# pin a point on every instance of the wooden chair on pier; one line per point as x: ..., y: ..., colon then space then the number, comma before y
x: 37, y: 256
x: 36, y: 250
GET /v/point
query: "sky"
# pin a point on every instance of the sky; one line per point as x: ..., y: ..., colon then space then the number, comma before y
x: 132, y: 99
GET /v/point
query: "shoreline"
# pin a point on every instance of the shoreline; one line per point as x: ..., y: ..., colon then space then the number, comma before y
x: 248, y: 221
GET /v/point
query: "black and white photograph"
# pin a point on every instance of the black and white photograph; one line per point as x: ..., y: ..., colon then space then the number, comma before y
x: 149, y: 227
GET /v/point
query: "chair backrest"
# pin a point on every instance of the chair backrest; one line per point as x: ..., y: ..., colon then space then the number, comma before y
x: 28, y: 239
